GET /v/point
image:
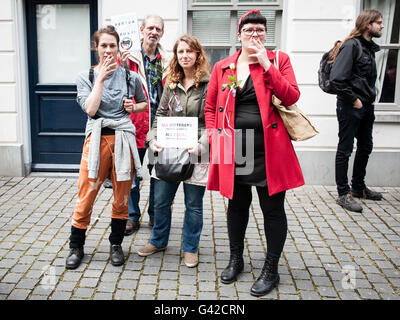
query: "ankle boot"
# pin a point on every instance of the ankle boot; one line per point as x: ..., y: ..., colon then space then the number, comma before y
x: 74, y: 258
x: 234, y: 268
x: 77, y: 241
x: 268, y: 279
x: 116, y: 237
x: 117, y: 257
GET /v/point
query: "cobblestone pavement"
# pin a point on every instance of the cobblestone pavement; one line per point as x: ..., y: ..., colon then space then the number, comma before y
x: 329, y: 253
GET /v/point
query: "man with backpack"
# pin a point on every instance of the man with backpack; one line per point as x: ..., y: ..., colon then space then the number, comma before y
x: 352, y: 78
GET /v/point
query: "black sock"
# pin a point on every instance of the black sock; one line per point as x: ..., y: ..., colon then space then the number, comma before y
x: 77, y: 237
x: 117, y: 231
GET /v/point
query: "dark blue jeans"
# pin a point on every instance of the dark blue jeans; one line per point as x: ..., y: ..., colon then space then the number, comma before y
x: 193, y: 223
x: 134, y: 195
x: 353, y: 123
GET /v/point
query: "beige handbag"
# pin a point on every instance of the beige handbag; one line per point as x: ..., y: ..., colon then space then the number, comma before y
x: 297, y: 124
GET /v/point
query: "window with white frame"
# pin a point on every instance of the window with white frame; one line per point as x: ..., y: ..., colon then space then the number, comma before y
x: 388, y: 58
x: 214, y: 23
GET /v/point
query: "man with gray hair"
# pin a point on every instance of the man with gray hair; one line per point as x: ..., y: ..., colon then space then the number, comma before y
x: 150, y: 63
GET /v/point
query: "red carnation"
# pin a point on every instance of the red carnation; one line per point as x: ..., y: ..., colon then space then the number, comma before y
x: 159, y: 57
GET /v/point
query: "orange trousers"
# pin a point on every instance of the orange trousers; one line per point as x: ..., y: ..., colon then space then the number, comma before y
x: 89, y: 188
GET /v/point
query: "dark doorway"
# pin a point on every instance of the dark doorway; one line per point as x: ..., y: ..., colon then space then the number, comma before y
x: 58, y: 34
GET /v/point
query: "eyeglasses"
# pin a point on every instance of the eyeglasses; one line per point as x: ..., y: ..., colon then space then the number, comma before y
x: 250, y: 31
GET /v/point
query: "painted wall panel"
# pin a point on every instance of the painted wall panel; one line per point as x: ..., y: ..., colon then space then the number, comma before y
x: 8, y: 98
x: 167, y: 9
x: 8, y: 128
x: 327, y: 137
x: 306, y: 67
x: 11, y: 160
x: 170, y: 35
x: 319, y: 168
x: 313, y: 101
x: 7, y: 41
x: 386, y: 135
x: 323, y: 10
x: 324, y: 34
x: 7, y: 67
x: 6, y: 10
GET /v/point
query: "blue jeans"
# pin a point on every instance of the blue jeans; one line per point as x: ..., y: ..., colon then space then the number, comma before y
x: 193, y: 223
x: 134, y: 195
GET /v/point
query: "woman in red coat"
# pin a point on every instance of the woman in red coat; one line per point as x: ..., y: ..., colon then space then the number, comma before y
x: 239, y: 97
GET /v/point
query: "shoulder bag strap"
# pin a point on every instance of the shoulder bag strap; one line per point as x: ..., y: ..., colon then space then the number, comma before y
x: 128, y: 78
x: 91, y: 75
x: 360, y: 48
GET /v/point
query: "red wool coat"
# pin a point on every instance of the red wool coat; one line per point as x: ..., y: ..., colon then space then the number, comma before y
x: 282, y: 166
x: 141, y: 120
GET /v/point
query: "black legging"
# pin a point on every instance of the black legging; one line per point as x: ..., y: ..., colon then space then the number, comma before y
x: 275, y: 223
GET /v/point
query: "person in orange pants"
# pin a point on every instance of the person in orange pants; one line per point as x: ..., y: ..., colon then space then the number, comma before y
x: 89, y: 188
x: 110, y: 146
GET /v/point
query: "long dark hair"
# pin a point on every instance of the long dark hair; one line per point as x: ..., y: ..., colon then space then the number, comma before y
x: 365, y: 18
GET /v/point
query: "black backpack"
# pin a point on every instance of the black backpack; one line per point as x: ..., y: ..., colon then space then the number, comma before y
x: 325, y: 69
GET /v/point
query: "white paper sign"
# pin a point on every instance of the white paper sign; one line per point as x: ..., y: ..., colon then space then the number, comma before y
x: 127, y: 27
x: 177, y: 132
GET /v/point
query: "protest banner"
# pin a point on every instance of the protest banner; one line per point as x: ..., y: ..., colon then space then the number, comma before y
x: 177, y: 132
x: 127, y: 27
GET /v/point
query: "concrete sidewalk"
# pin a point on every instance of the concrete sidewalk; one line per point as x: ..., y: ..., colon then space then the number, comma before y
x: 329, y: 253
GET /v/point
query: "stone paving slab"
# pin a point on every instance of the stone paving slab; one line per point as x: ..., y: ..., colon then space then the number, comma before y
x: 329, y: 253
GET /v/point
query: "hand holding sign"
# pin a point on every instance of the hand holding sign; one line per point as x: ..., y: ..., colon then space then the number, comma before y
x: 123, y: 56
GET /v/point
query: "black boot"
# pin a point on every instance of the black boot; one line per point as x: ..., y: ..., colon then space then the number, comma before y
x: 116, y: 237
x: 366, y: 194
x: 77, y: 241
x: 74, y: 258
x: 268, y: 279
x: 116, y: 255
x: 234, y: 267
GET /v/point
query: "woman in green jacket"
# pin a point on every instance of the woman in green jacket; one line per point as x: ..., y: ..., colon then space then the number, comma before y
x: 184, y: 95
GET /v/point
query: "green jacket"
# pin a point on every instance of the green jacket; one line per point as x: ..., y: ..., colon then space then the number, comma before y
x: 190, y: 102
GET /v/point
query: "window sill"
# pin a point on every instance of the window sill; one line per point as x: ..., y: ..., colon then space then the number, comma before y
x: 387, y: 116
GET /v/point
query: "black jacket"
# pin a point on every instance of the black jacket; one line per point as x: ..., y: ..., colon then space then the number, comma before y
x: 355, y: 78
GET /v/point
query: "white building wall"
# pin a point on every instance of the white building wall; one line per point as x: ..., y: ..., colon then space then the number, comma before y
x: 11, y: 159
x: 312, y: 26
x: 170, y: 11
x: 309, y: 28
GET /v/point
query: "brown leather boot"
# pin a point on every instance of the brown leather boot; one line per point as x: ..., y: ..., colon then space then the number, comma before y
x: 131, y: 227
